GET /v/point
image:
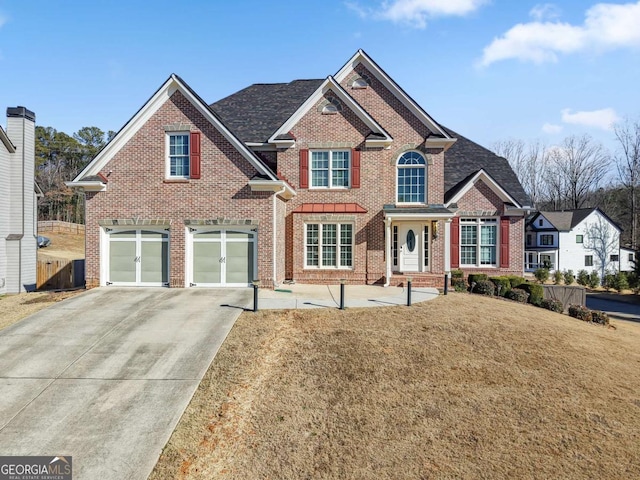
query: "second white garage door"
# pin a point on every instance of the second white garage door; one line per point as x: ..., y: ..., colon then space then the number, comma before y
x: 221, y: 257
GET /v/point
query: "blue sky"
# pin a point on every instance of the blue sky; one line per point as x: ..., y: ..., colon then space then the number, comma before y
x: 488, y: 69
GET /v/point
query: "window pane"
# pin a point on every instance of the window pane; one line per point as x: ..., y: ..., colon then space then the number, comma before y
x: 319, y: 169
x: 468, y: 255
x: 312, y: 256
x: 312, y: 234
x: 487, y: 255
x: 468, y: 235
x: 329, y: 256
x: 345, y: 256
x: 329, y: 234
x: 345, y: 234
x: 488, y: 235
x: 411, y: 185
x: 179, y: 155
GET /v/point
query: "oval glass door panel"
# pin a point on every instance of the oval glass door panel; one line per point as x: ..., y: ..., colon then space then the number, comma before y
x: 411, y: 240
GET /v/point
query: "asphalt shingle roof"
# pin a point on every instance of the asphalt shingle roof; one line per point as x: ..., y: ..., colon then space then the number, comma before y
x: 568, y: 219
x: 257, y: 111
x: 464, y: 158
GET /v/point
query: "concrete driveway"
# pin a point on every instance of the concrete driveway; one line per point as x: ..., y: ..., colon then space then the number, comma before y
x: 105, y: 376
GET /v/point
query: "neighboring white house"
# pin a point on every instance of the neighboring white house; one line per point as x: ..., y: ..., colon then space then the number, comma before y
x: 18, y: 204
x: 584, y: 239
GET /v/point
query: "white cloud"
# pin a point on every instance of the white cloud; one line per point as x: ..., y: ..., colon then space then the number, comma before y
x: 544, y: 11
x: 417, y: 12
x: 552, y: 128
x: 607, y: 26
x: 603, y: 118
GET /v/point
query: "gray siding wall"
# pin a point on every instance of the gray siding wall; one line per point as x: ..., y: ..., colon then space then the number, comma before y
x: 22, y: 252
x: 5, y: 195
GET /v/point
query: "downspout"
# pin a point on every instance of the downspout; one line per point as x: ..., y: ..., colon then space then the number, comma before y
x: 387, y: 248
x: 23, y: 212
x: 275, y: 235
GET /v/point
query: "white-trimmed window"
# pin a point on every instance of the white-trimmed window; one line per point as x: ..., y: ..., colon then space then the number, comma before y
x: 328, y: 245
x: 330, y: 168
x: 178, y: 155
x: 412, y: 175
x: 478, y: 242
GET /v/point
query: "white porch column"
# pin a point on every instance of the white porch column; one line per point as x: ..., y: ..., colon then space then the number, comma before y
x: 387, y: 248
x: 447, y: 246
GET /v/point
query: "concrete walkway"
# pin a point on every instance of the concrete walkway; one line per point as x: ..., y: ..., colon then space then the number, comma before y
x: 105, y: 376
x: 328, y: 296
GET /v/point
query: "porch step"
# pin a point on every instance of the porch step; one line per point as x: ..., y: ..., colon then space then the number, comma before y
x: 418, y: 280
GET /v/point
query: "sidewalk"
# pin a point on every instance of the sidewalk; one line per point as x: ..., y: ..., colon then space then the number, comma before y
x: 328, y: 296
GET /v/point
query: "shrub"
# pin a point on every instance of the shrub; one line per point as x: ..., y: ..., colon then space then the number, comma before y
x: 484, y: 287
x: 541, y: 274
x: 634, y: 281
x: 515, y: 280
x: 459, y: 285
x: 580, y: 312
x: 620, y: 281
x: 599, y: 317
x: 583, y: 278
x: 457, y: 274
x: 502, y: 285
x: 552, y: 304
x: 476, y: 277
x: 594, y: 279
x: 518, y: 295
x: 609, y: 281
x: 535, y: 292
x: 568, y: 277
x: 557, y: 277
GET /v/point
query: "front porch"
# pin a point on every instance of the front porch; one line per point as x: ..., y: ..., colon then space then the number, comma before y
x: 416, y: 240
x: 535, y: 259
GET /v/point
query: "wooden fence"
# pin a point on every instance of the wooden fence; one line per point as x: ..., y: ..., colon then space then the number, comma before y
x: 60, y: 227
x: 568, y: 295
x: 59, y: 274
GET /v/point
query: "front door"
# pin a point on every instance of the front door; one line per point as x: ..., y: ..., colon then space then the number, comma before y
x: 409, y: 240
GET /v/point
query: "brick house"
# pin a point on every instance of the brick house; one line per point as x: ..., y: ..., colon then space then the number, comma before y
x: 315, y: 181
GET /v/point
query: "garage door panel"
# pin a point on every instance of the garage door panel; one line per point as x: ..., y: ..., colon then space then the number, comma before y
x: 153, y: 262
x: 239, y: 261
x: 122, y: 265
x: 206, y: 262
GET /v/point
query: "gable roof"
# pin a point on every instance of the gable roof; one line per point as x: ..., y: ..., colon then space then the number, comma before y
x: 169, y: 87
x: 566, y: 220
x: 465, y: 158
x: 330, y: 84
x: 257, y: 111
x: 360, y: 57
x: 456, y: 193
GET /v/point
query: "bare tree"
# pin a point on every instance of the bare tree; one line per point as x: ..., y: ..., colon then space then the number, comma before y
x: 581, y: 164
x: 529, y: 162
x: 628, y: 163
x: 601, y: 239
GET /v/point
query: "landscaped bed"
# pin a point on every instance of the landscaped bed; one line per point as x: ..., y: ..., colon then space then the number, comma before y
x: 464, y: 386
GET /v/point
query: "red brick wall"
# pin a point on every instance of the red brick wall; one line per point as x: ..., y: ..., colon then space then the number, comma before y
x: 137, y: 188
x: 481, y: 201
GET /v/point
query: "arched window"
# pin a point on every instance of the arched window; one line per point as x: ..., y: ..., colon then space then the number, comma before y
x: 412, y: 174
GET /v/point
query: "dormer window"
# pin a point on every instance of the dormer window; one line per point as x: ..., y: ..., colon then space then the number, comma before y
x: 331, y: 106
x: 360, y: 82
x: 329, y: 109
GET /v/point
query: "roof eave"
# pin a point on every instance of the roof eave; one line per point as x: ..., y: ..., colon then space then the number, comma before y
x: 94, y: 186
x: 280, y: 187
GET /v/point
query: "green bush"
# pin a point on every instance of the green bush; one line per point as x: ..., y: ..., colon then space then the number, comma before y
x: 542, y: 274
x: 476, y: 277
x: 457, y: 274
x: 583, y: 278
x: 620, y: 281
x: 580, y: 312
x: 484, y: 287
x: 502, y: 285
x: 568, y: 277
x: 557, y: 277
x: 518, y: 295
x: 459, y: 285
x: 594, y: 279
x: 552, y: 304
x: 609, y: 281
x: 515, y: 280
x: 535, y: 292
x: 599, y: 317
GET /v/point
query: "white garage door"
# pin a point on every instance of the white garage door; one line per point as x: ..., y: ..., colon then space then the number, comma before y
x: 222, y: 257
x: 138, y: 257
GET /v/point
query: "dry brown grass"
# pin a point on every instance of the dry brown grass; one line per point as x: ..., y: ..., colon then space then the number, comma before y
x: 461, y: 387
x: 14, y: 308
x: 69, y: 246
